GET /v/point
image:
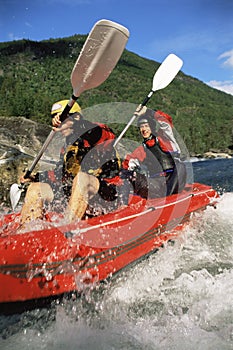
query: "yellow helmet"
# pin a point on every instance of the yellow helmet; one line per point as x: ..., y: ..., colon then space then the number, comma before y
x: 58, y: 107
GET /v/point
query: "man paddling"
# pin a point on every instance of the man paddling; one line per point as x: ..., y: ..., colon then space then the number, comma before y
x: 155, y: 168
x: 88, y: 171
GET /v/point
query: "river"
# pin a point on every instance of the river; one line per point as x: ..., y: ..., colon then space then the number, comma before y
x: 180, y: 298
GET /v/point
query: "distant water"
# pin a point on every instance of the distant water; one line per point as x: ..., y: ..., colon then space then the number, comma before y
x: 215, y: 172
x: 180, y: 298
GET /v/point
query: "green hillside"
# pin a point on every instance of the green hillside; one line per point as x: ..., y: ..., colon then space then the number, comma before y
x: 35, y: 74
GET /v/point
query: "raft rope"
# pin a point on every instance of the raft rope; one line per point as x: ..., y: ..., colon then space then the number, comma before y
x: 113, y: 221
x: 86, y: 229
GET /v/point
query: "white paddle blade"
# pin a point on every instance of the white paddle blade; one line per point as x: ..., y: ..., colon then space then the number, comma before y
x: 99, y: 55
x: 166, y: 72
x: 15, y: 193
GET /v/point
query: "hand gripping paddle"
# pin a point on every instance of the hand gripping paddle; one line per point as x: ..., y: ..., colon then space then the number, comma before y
x: 162, y: 78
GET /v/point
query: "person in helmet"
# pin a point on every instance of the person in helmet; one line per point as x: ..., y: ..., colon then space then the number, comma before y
x: 155, y: 168
x: 87, y: 175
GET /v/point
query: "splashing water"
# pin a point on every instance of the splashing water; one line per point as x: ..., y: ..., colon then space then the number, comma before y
x: 179, y: 298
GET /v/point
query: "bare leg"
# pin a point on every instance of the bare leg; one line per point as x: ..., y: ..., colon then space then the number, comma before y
x: 84, y: 187
x: 36, y: 195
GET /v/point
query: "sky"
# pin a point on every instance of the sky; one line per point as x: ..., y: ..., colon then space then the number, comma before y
x: 200, y: 32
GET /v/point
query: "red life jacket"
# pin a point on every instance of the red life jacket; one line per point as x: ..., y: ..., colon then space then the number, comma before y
x: 92, y: 152
x: 98, y: 140
x: 165, y: 137
x: 165, y: 134
x: 107, y: 136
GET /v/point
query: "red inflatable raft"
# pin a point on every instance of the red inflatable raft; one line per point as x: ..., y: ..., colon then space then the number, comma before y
x: 63, y: 258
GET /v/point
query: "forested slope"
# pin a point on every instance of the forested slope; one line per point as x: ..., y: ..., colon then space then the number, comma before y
x: 35, y: 74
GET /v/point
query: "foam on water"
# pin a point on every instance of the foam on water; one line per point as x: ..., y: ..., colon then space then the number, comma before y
x: 179, y: 298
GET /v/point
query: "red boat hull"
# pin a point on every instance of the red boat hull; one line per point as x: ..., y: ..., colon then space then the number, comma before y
x: 60, y: 259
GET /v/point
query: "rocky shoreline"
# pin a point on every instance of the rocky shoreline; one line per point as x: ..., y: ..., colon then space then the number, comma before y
x: 227, y: 154
x: 20, y: 141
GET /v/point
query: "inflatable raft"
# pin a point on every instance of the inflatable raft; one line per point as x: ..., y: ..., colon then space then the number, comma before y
x: 57, y: 258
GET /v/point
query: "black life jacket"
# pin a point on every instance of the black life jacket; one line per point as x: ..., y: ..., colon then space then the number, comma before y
x: 92, y: 151
x: 157, y: 159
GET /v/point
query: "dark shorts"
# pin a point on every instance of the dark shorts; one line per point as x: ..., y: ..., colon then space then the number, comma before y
x: 110, y: 196
x: 177, y: 179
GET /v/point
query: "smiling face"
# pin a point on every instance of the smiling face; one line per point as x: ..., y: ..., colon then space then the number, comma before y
x: 145, y: 130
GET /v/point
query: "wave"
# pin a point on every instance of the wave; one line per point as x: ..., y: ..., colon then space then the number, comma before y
x: 179, y: 298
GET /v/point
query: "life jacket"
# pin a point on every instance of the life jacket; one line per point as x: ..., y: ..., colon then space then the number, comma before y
x: 164, y: 160
x: 163, y: 147
x: 92, y: 152
x: 165, y: 133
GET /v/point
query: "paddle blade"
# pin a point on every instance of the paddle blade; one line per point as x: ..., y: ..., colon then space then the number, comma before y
x: 99, y: 55
x: 166, y: 72
x: 15, y: 193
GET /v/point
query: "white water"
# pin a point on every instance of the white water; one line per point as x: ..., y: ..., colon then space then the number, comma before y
x: 179, y: 298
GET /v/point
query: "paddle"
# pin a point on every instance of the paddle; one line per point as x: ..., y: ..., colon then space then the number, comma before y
x: 162, y: 78
x: 98, y: 57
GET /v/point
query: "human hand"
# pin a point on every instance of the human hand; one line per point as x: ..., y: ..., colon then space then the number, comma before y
x: 24, y: 180
x: 66, y: 128
x: 56, y: 120
x: 133, y: 164
x: 140, y: 110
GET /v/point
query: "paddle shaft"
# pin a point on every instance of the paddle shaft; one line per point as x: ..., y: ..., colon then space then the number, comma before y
x: 98, y: 57
x: 144, y: 103
x: 63, y: 117
x: 162, y: 78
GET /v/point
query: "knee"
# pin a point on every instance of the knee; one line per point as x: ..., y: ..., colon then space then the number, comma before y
x: 87, y: 184
x: 39, y: 190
